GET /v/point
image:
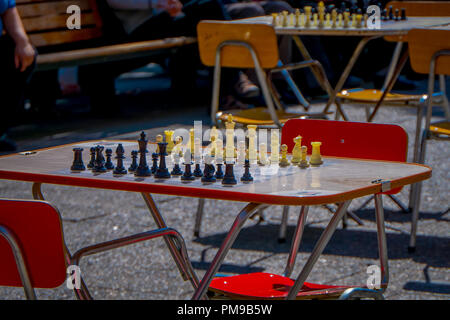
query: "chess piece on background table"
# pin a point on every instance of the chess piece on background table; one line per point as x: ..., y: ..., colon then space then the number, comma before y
x: 274, y: 146
x: 252, y: 152
x: 120, y: 155
x: 109, y: 165
x: 162, y: 172
x: 99, y: 163
x: 403, y: 15
x: 316, y: 158
x: 229, y: 133
x: 142, y: 170
x: 134, y: 164
x: 78, y: 164
x: 308, y: 10
x: 391, y: 13
x: 91, y: 163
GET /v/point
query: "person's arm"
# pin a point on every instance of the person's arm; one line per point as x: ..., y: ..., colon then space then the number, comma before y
x: 24, y: 52
x: 173, y: 7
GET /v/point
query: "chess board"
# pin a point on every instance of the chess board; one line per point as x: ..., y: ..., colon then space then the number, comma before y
x: 388, y: 27
x: 336, y: 180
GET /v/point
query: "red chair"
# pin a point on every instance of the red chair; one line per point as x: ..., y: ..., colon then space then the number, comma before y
x: 33, y: 252
x: 339, y: 139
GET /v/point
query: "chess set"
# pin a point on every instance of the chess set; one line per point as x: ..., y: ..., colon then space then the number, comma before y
x: 170, y: 159
x: 332, y: 18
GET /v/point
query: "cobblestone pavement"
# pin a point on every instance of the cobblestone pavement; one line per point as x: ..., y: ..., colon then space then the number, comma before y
x: 146, y: 270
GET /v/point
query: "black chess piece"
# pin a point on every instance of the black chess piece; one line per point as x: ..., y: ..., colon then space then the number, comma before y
x: 343, y: 7
x: 155, y: 162
x: 219, y: 171
x: 99, y: 163
x: 403, y: 14
x: 176, y: 170
x: 109, y: 165
x: 198, y: 171
x: 78, y: 164
x: 229, y: 178
x: 162, y: 172
x: 397, y: 15
x: 134, y: 164
x: 208, y: 175
x: 391, y: 13
x: 91, y: 163
x: 187, y: 175
x: 120, y: 155
x: 384, y: 14
x: 142, y: 170
x: 247, y: 177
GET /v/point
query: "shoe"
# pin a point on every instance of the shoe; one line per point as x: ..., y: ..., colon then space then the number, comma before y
x: 7, y: 144
x: 245, y: 88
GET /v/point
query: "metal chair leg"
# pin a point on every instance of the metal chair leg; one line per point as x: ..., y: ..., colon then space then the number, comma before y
x: 283, y: 225
x: 198, y: 217
x: 358, y: 293
x: 296, y: 240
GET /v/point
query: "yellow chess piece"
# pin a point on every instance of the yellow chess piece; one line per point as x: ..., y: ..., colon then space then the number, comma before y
x: 333, y: 18
x: 308, y: 16
x: 346, y: 19
x: 316, y: 158
x: 304, y: 162
x: 274, y: 19
x: 284, y: 162
x: 169, y: 140
x: 285, y: 18
x: 296, y: 151
x: 191, y: 137
x: 159, y: 138
x: 359, y: 20
x: 297, y: 18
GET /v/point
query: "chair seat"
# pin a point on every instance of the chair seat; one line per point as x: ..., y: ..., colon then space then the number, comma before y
x: 373, y: 96
x: 441, y: 128
x: 261, y: 116
x: 270, y: 286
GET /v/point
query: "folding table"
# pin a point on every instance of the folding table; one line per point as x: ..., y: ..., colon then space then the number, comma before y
x: 338, y: 180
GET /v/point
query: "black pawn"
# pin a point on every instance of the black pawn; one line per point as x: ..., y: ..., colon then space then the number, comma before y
x: 99, y: 163
x: 187, y: 176
x: 120, y: 169
x: 403, y: 14
x: 91, y: 163
x: 109, y: 165
x: 219, y: 171
x: 134, y: 164
x: 162, y: 172
x: 208, y: 175
x: 384, y: 14
x: 155, y: 162
x: 229, y: 178
x: 247, y: 177
x: 142, y: 170
x: 176, y: 171
x: 198, y: 171
x: 78, y: 164
x: 397, y: 14
x: 391, y: 13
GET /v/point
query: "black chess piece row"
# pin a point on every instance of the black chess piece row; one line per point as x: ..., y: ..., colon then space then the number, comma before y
x: 392, y: 14
x: 98, y: 163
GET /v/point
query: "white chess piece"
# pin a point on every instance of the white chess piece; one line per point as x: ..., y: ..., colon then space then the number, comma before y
x: 241, y: 152
x: 274, y: 146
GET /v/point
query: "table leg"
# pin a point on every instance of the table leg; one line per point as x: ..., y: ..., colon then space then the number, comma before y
x: 185, y: 267
x: 36, y: 190
x: 382, y: 245
x: 224, y: 248
x: 318, y: 249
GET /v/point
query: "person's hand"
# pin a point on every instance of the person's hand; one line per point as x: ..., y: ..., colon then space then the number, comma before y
x: 173, y: 7
x: 23, y: 55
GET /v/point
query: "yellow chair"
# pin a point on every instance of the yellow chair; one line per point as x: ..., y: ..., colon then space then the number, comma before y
x: 245, y: 45
x: 430, y: 53
x: 377, y: 97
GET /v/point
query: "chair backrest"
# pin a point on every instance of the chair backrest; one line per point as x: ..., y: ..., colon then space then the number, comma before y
x: 46, y: 22
x: 423, y: 44
x: 36, y: 225
x: 261, y: 37
x: 362, y: 140
x: 422, y: 8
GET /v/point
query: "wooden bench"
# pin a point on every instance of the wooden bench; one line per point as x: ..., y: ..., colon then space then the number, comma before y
x: 45, y: 22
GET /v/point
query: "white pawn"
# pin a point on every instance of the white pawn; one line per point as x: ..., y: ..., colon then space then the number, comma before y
x: 262, y: 154
x: 274, y: 146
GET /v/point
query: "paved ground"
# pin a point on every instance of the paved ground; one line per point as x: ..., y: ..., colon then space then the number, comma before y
x: 146, y: 271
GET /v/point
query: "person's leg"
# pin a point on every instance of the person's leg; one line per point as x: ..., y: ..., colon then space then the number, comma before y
x: 12, y: 87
